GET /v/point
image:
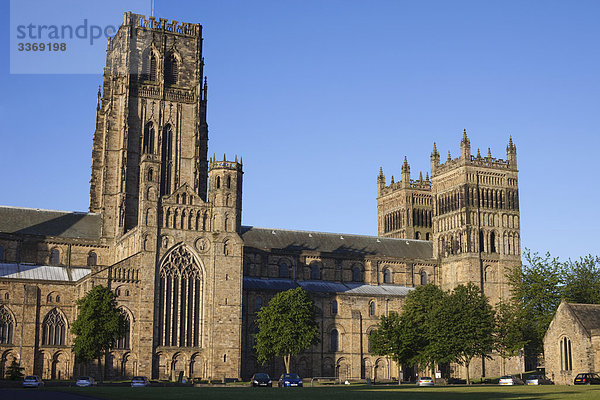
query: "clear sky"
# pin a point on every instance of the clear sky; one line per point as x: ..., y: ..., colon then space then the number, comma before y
x: 317, y: 95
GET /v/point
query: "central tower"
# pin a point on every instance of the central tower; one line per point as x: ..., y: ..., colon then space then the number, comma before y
x: 151, y: 130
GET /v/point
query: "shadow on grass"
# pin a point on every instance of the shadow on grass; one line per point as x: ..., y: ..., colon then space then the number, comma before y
x: 343, y: 393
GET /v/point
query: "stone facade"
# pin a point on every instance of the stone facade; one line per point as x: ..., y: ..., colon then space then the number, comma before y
x: 164, y: 232
x: 572, y: 342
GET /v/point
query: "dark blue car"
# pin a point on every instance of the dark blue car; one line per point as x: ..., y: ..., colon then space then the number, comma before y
x: 290, y: 380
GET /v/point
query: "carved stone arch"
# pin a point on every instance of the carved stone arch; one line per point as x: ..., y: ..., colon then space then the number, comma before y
x: 54, y: 328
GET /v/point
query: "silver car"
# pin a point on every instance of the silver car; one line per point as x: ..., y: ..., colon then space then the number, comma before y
x: 33, y: 381
x: 139, y: 381
x: 85, y: 381
x: 538, y: 380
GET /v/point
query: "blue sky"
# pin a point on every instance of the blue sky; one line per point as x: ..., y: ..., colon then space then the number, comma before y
x: 317, y: 95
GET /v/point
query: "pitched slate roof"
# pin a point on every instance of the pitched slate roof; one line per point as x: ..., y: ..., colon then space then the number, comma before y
x: 33, y: 221
x: 336, y: 243
x: 278, y: 285
x: 588, y: 315
x: 42, y: 272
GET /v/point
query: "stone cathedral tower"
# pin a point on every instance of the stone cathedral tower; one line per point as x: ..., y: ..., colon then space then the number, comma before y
x: 177, y: 244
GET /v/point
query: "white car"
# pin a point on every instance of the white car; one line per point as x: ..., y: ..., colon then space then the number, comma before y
x: 85, y: 381
x: 425, y: 381
x: 139, y: 381
x: 538, y: 380
x: 507, y: 380
x: 33, y: 381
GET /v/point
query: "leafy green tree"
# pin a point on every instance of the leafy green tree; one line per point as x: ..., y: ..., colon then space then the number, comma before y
x: 14, y: 372
x: 537, y: 286
x: 392, y: 338
x: 419, y: 327
x: 98, y: 326
x: 463, y: 327
x: 508, y: 333
x: 582, y: 280
x: 286, y: 326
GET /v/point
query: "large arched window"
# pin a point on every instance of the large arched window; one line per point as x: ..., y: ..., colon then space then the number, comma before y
x: 92, y: 259
x: 284, y: 270
x: 180, y: 299
x: 492, y: 242
x: 372, y: 309
x: 54, y: 329
x: 334, y: 307
x: 387, y: 276
x: 55, y: 257
x: 334, y: 340
x: 315, y: 271
x: 171, y: 70
x: 166, y: 160
x: 148, y: 145
x: 566, y: 361
x: 123, y: 343
x: 7, y: 325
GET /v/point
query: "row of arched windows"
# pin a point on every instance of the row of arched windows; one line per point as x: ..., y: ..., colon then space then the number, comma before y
x: 482, y: 197
x: 227, y: 181
x: 150, y: 67
x: 55, y: 258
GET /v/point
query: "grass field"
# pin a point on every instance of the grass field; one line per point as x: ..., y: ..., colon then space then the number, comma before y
x: 344, y: 392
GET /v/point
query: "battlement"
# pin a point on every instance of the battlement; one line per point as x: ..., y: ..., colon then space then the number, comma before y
x: 224, y: 164
x: 162, y: 24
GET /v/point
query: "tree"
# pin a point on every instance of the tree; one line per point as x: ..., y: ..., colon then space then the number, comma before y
x: 286, y: 326
x: 537, y: 286
x: 582, y: 280
x: 508, y: 333
x: 392, y: 338
x: 463, y: 327
x: 98, y: 326
x: 14, y: 372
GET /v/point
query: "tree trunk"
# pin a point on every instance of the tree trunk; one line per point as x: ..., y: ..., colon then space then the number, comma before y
x: 286, y: 361
x: 467, y: 365
x: 100, y: 369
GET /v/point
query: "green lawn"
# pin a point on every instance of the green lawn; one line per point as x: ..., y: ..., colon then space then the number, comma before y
x: 344, y: 392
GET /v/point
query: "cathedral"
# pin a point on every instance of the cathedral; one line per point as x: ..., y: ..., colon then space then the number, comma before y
x: 164, y: 233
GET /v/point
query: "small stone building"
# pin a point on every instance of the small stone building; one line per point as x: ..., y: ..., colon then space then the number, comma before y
x: 572, y: 342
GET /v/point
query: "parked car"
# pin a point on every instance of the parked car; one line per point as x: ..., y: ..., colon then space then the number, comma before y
x: 261, y: 379
x: 84, y: 381
x: 290, y: 380
x: 587, y: 379
x: 139, y: 381
x: 510, y: 380
x: 33, y: 381
x: 538, y: 380
x: 425, y: 381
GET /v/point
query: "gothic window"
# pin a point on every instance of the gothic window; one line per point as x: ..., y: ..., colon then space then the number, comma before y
x: 372, y: 309
x: 481, y: 241
x: 148, y: 145
x: 334, y: 338
x: 53, y: 329
x: 166, y: 160
x: 226, y: 222
x: 315, y: 271
x: 427, y: 236
x: 92, y: 259
x: 58, y: 298
x: 123, y: 343
x: 492, y: 242
x: 566, y: 362
x: 228, y: 182
x: 171, y: 70
x: 150, y: 174
x: 149, y: 66
x: 7, y: 325
x: 423, y: 277
x: 226, y: 248
x: 1, y: 254
x: 284, y: 270
x: 387, y: 276
x: 180, y: 294
x: 334, y: 307
x: 356, y: 274
x: 55, y: 257
x: 218, y: 182
x: 417, y: 235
